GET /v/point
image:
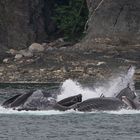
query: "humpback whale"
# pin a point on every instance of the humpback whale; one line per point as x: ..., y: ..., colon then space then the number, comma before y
x: 71, y: 100
x: 20, y: 100
x: 9, y: 101
x: 107, y: 103
x: 37, y: 101
x: 127, y: 92
x: 16, y: 100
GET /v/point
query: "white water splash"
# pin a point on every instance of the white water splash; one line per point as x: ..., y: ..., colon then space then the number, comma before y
x: 110, y: 89
x: 54, y: 112
x: 39, y: 113
x: 123, y: 112
x: 71, y: 88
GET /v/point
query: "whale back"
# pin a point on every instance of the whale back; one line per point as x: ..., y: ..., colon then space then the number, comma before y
x: 70, y: 100
x: 100, y: 104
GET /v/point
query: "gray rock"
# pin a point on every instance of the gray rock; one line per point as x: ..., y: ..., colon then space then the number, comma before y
x: 18, y: 56
x: 36, y: 47
x: 50, y: 48
x: 5, y: 60
x: 26, y: 53
x: 63, y: 48
x: 13, y: 51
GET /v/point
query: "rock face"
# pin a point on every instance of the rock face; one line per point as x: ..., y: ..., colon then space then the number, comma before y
x: 113, y: 21
x: 23, y: 22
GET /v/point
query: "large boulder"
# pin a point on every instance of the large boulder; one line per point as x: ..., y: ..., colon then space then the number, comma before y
x: 36, y: 47
x: 113, y: 21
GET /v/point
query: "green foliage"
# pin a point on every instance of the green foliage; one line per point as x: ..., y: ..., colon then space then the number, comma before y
x: 71, y: 18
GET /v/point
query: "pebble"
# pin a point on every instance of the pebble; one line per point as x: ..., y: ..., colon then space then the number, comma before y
x: 18, y: 56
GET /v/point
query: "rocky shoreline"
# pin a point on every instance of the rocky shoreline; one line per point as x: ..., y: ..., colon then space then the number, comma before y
x: 59, y: 60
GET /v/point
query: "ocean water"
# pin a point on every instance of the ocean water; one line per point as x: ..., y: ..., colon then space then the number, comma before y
x: 122, y: 125
x: 73, y: 125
